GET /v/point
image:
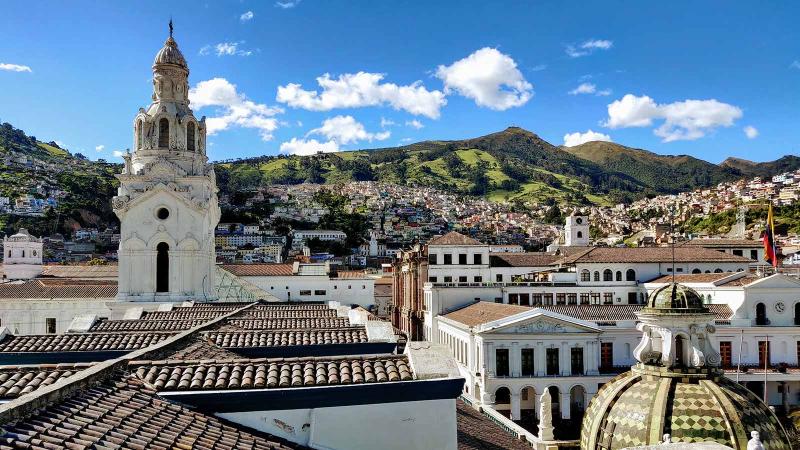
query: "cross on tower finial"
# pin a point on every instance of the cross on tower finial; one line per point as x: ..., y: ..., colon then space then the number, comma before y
x: 170, y: 27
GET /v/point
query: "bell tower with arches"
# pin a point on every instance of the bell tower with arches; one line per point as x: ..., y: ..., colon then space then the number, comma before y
x: 167, y: 198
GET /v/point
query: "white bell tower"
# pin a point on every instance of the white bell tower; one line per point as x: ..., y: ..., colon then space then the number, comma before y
x: 167, y: 199
x: 576, y: 231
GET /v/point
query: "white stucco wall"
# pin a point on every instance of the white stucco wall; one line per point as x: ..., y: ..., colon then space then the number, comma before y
x: 359, y: 291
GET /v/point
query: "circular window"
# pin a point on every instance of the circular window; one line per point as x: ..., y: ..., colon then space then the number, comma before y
x: 162, y: 213
x: 579, y: 221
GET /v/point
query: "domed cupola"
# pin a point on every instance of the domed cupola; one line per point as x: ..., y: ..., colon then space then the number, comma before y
x: 170, y: 54
x: 677, y: 388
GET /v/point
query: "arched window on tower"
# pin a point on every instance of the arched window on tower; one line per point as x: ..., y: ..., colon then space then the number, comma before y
x: 608, y: 275
x: 190, y: 137
x: 139, y: 134
x: 163, y: 133
x: 162, y: 267
x: 630, y: 275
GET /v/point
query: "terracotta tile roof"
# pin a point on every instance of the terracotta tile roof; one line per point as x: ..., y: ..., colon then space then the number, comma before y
x: 743, y: 281
x: 522, y: 259
x: 484, y: 312
x: 289, y: 324
x: 127, y: 415
x: 77, y: 289
x: 351, y: 274
x: 200, y: 348
x: 651, y: 255
x: 286, y: 314
x: 724, y: 243
x: 479, y: 313
x: 265, y: 373
x: 478, y: 432
x: 384, y: 280
x: 184, y: 314
x: 19, y: 380
x: 304, y: 306
x: 454, y: 238
x: 259, y: 270
x: 82, y: 342
x: 692, y: 277
x: 232, y: 339
x: 145, y: 325
x: 80, y: 271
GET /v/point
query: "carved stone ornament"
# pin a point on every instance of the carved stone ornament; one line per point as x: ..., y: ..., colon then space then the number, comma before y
x: 540, y: 326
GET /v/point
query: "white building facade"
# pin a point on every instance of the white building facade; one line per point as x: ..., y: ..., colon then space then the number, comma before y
x: 22, y: 256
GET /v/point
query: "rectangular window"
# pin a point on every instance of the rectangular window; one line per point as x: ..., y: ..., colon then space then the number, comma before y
x: 432, y: 279
x: 498, y: 278
x: 725, y: 354
x: 525, y: 299
x: 577, y: 361
x: 552, y: 361
x: 608, y: 298
x: 548, y: 299
x: 513, y: 299
x: 596, y: 298
x: 432, y: 259
x: 561, y: 299
x: 584, y: 299
x: 501, y: 362
x: 572, y: 299
x: 462, y: 259
x: 448, y: 258
x: 754, y: 255
x: 320, y: 292
x: 50, y: 325
x: 763, y: 353
x: 479, y: 279
x: 632, y: 298
x: 477, y: 258
x: 738, y: 252
x: 462, y: 279
x: 527, y: 362
x: 448, y: 279
x: 537, y: 299
x: 305, y: 292
x: 606, y: 355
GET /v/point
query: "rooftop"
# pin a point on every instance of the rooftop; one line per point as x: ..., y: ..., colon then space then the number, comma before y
x: 652, y: 255
x: 455, y: 239
x: 43, y: 288
x: 522, y: 259
x: 259, y: 270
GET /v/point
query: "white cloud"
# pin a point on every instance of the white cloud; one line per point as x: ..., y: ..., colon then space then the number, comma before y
x: 100, y: 148
x: 685, y: 120
x: 415, y: 124
x: 603, y: 93
x: 226, y: 49
x: 247, y: 16
x: 363, y: 89
x: 578, y: 138
x: 118, y: 153
x: 14, y: 67
x: 346, y: 129
x: 404, y: 140
x: 386, y: 122
x: 287, y: 4
x: 602, y: 44
x: 235, y: 108
x: 584, y: 88
x: 587, y: 47
x: 751, y: 132
x: 538, y: 68
x: 308, y: 147
x: 794, y: 65
x: 489, y: 77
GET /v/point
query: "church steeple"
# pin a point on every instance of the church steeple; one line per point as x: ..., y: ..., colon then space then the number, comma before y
x: 167, y: 199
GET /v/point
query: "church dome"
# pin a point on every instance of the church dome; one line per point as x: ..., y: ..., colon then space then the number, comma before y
x: 170, y: 54
x: 22, y: 236
x: 639, y: 407
x: 675, y: 298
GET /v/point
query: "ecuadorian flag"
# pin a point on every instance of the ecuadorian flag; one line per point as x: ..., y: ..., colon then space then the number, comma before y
x: 770, y: 254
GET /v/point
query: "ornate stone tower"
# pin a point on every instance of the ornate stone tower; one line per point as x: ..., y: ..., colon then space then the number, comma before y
x: 167, y: 199
x: 576, y: 231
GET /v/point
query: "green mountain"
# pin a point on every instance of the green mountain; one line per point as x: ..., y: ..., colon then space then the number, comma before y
x: 765, y: 169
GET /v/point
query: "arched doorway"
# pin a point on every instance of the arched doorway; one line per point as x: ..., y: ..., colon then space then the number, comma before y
x: 797, y: 313
x: 555, y: 397
x: 163, y: 133
x: 761, y: 314
x: 527, y: 409
x: 162, y: 267
x: 502, y: 401
x: 577, y: 403
x: 680, y: 351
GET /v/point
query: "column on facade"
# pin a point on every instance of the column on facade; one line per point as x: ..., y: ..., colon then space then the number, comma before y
x: 564, y: 356
x: 541, y: 361
x: 593, y: 361
x: 515, y: 358
x: 586, y: 360
x: 515, y: 406
x: 565, y: 404
x: 490, y: 358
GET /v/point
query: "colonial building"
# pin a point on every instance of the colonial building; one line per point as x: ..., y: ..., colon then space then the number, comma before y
x: 22, y: 256
x: 167, y: 199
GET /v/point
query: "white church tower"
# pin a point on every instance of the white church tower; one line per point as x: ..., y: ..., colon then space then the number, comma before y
x: 576, y: 231
x: 22, y: 256
x: 167, y: 199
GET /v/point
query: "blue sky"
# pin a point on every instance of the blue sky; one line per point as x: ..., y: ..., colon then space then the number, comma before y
x: 712, y: 80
